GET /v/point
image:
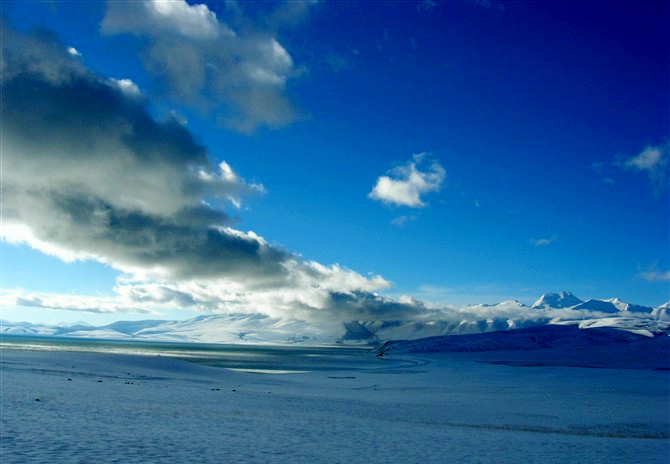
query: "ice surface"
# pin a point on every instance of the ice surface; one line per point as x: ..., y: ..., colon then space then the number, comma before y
x: 461, y: 407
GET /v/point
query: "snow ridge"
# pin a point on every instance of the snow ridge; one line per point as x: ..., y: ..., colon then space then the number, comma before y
x: 612, y: 306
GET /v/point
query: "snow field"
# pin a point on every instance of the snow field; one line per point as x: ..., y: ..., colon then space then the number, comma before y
x: 430, y: 408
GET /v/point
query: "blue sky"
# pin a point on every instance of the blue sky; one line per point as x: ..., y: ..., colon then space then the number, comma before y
x: 452, y: 152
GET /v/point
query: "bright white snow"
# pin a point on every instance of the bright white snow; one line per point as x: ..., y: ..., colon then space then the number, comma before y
x: 465, y: 407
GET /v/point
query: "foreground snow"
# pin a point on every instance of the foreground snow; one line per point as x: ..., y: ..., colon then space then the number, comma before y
x: 430, y: 408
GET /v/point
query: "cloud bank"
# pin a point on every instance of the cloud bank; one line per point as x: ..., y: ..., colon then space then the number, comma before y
x: 89, y: 174
x: 405, y: 185
x: 238, y: 72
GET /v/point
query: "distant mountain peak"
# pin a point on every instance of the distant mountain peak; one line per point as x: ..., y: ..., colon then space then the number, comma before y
x: 510, y: 303
x: 563, y: 307
x: 499, y: 304
x: 556, y: 300
x: 612, y: 305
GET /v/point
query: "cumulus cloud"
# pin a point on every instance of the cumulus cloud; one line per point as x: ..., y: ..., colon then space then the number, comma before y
x: 653, y: 161
x: 239, y: 73
x: 318, y: 294
x: 405, y: 185
x: 88, y: 173
x: 310, y: 291
x: 127, y: 86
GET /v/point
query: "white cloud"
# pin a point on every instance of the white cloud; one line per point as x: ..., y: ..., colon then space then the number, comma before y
x: 656, y: 276
x: 71, y: 302
x: 110, y: 183
x: 654, y: 161
x: 401, y: 221
x: 172, y: 18
x: 73, y: 51
x: 194, y: 21
x: 310, y: 293
x: 648, y: 160
x: 240, y: 75
x: 127, y: 86
x: 406, y: 184
x: 543, y: 241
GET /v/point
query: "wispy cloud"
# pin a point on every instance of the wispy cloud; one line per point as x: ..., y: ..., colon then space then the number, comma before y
x: 406, y: 185
x: 482, y: 3
x: 426, y: 6
x: 656, y: 276
x: 487, y: 4
x: 401, y: 221
x: 235, y: 69
x: 653, y: 161
x: 69, y: 302
x: 539, y: 242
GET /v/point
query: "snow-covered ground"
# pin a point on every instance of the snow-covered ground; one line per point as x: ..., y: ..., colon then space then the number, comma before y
x: 460, y: 407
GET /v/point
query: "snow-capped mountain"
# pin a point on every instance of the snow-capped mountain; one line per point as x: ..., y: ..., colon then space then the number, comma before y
x: 237, y: 328
x: 662, y: 313
x: 259, y: 328
x: 229, y: 328
x: 365, y: 331
x: 612, y: 306
x: 502, y: 304
x: 556, y: 300
x: 26, y: 328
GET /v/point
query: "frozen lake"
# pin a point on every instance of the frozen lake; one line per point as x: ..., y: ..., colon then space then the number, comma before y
x: 73, y: 401
x: 267, y: 358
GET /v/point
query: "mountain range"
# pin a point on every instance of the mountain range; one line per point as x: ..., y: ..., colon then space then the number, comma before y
x: 552, y: 308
